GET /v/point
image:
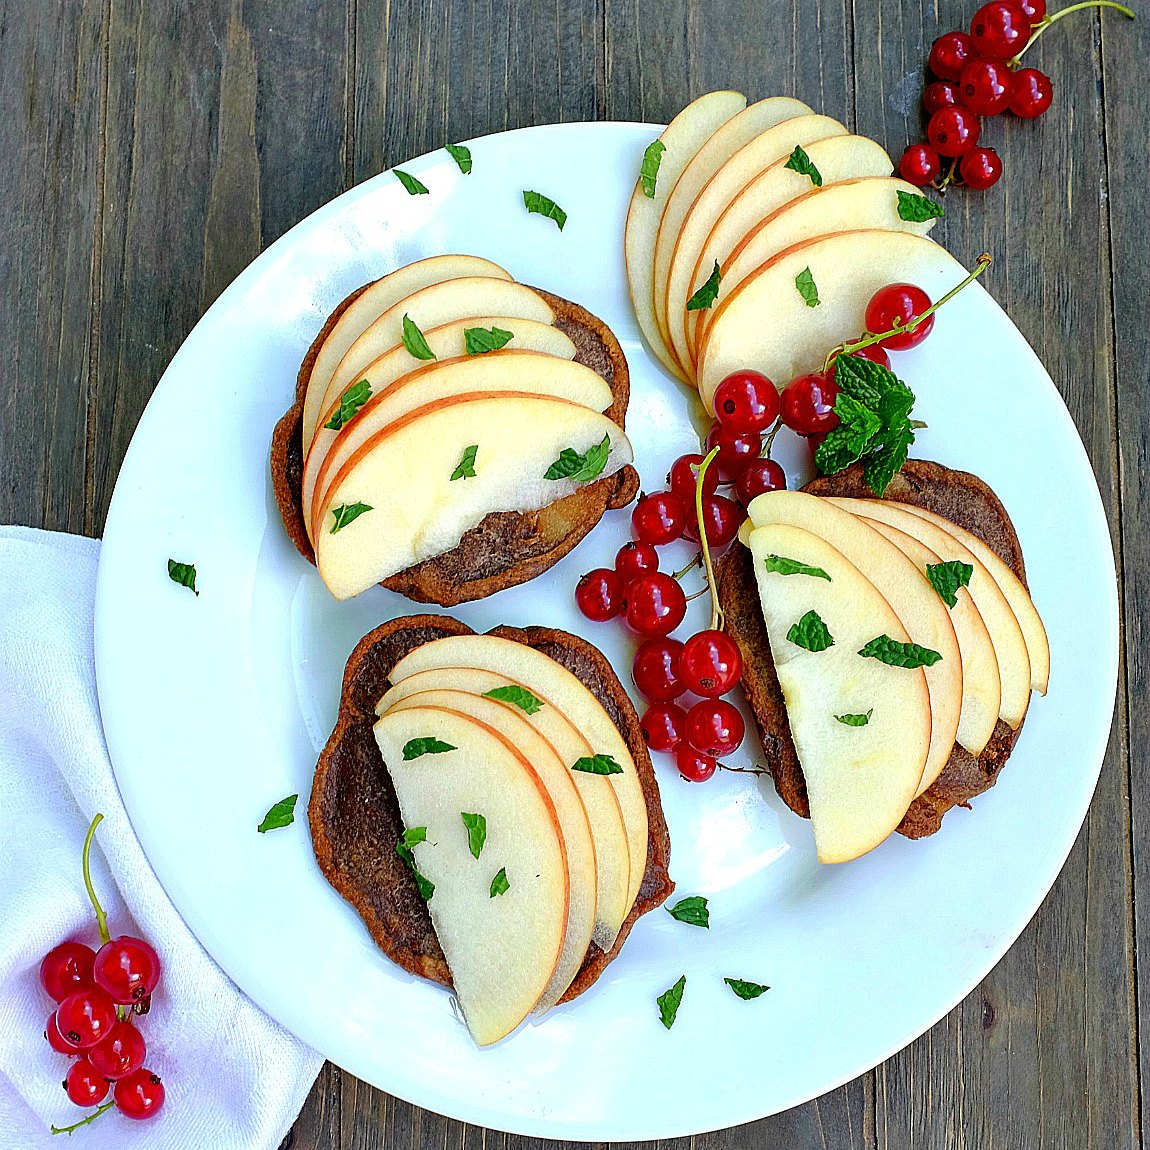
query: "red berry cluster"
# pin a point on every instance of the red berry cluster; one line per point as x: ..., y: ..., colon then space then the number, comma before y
x: 98, y: 993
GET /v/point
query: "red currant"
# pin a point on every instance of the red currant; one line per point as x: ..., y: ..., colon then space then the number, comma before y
x: 600, y: 595
x: 737, y: 450
x: 949, y: 53
x: 659, y: 518
x: 1033, y: 93
x: 875, y: 352
x: 919, y: 165
x: 714, y: 727
x: 682, y: 478
x: 721, y: 519
x: 746, y: 401
x: 953, y: 131
x: 694, y: 766
x: 980, y: 169
x: 635, y: 559
x: 67, y: 968
x: 1000, y: 29
x: 656, y: 669
x: 809, y: 404
x: 655, y: 604
x: 1035, y: 10
x: 127, y: 968
x: 987, y: 86
x: 120, y: 1054
x: 84, y: 1018
x: 140, y: 1094
x: 899, y: 304
x: 710, y: 663
x: 763, y: 475
x: 941, y: 94
x: 56, y: 1040
x: 84, y: 1085
x: 662, y: 726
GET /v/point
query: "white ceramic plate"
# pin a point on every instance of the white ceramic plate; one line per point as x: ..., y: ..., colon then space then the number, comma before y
x: 217, y: 706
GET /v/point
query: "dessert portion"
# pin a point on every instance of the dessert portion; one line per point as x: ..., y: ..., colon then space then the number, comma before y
x: 487, y: 804
x: 454, y: 433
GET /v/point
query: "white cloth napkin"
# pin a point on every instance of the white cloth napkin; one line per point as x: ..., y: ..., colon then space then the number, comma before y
x: 234, y: 1080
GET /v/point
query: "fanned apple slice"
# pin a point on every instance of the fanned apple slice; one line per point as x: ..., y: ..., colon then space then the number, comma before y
x: 373, y: 301
x: 861, y: 728
x: 501, y: 948
x: 681, y: 139
x: 904, y: 587
x: 556, y: 686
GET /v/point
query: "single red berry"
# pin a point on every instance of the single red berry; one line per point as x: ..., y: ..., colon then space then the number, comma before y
x: 953, y: 131
x: 763, y: 475
x: 941, y: 94
x: 140, y: 1094
x: 694, y: 766
x: 1000, y: 29
x: 600, y: 595
x: 67, y: 968
x: 920, y: 165
x: 635, y: 559
x: 127, y: 968
x: 898, y: 305
x: 56, y: 1040
x: 949, y: 53
x: 875, y: 352
x: 659, y: 518
x: 987, y: 86
x: 655, y: 604
x: 714, y: 727
x: 721, y: 519
x: 980, y: 169
x: 737, y: 450
x: 683, y: 477
x: 746, y: 401
x: 809, y: 404
x: 120, y: 1054
x: 655, y: 669
x: 662, y: 726
x: 86, y: 1017
x: 84, y: 1085
x: 1033, y: 93
x: 710, y: 663
x: 1035, y: 10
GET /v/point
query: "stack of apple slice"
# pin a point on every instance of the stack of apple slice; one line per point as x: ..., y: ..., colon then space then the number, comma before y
x: 404, y: 455
x: 871, y: 735
x: 480, y: 730
x: 728, y: 192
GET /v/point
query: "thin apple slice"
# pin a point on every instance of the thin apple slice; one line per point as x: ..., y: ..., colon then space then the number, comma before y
x: 681, y: 139
x: 847, y: 268
x: 905, y: 588
x: 1005, y: 633
x: 501, y: 949
x: 860, y: 779
x: 395, y: 503
x: 556, y: 686
x: 373, y: 301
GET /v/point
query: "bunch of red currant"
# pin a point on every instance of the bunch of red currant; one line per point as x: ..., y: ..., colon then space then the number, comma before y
x: 978, y: 74
x: 98, y: 993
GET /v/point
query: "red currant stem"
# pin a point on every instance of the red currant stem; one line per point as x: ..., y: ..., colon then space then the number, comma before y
x: 769, y: 442
x: 705, y: 547
x: 677, y: 575
x: 84, y: 1121
x: 1054, y: 17
x: 101, y: 917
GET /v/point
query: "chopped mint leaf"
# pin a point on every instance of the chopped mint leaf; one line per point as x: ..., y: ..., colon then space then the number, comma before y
x: 184, y: 574
x: 811, y: 633
x: 946, y: 578
x: 669, y: 1002
x: 692, y: 910
x: 413, y: 186
x: 918, y: 209
x: 855, y: 720
x: 521, y: 697
x: 476, y: 832
x: 896, y: 654
x: 465, y: 468
x: 746, y: 990
x: 461, y: 155
x: 781, y: 565
x: 808, y: 289
x: 414, y: 341
x: 708, y: 292
x: 649, y: 172
x: 281, y: 815
x: 349, y: 404
x: 345, y: 513
x: 478, y: 340
x: 542, y: 205
x: 800, y: 162
x: 581, y: 468
x: 428, y: 745
x: 597, y: 765
x: 499, y: 884
x: 414, y: 835
x: 410, y: 838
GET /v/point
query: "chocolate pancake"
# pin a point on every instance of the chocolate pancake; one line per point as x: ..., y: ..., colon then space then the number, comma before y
x: 958, y: 496
x: 354, y: 814
x: 507, y: 547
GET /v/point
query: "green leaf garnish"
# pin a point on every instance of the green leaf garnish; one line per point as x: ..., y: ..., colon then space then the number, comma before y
x: 855, y: 720
x: 461, y: 155
x: 597, y: 765
x: 281, y: 815
x: 848, y: 442
x: 476, y: 832
x: 413, y: 186
x: 427, y: 745
x: 811, y: 633
x: 345, y: 513
x: 499, y: 884
x: 649, y: 172
x: 781, y: 565
x: 350, y: 403
x: 896, y: 654
x: 691, y: 910
x: 521, y: 697
x: 581, y: 468
x: 669, y: 1002
x: 746, y: 990
x: 414, y: 835
x: 918, y: 209
x: 410, y: 838
x: 465, y: 468
x: 800, y: 162
x: 184, y: 574
x: 946, y: 578
x: 808, y: 289
x: 542, y: 205
x: 708, y: 293
x: 413, y: 339
x: 479, y: 340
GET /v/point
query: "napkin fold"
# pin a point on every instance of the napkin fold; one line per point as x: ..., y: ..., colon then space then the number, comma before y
x: 234, y: 1080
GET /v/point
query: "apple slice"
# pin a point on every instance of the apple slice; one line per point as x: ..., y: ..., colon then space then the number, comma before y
x: 373, y: 301
x: 522, y: 371
x: 556, y: 686
x: 860, y: 779
x: 726, y: 186
x: 681, y: 139
x: 501, y: 949
x: 837, y: 158
x: 612, y: 861
x: 1005, y: 633
x: 847, y: 268
x: 903, y: 585
x: 394, y: 503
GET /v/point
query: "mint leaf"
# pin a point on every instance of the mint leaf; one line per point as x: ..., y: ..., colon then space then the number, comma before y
x: 499, y: 884
x: 800, y: 162
x: 184, y: 574
x: 414, y: 835
x: 413, y: 339
x: 597, y: 765
x: 896, y: 654
x: 855, y: 720
x: 541, y: 205
x: 845, y: 444
x: 476, y: 833
x: 581, y: 468
x: 805, y: 282
x: 410, y: 838
x: 345, y: 513
x: 746, y: 990
x: 649, y: 172
x: 461, y: 155
x: 918, y: 209
x: 946, y: 578
x: 862, y: 379
x: 281, y: 815
x: 349, y: 404
x: 692, y: 910
x: 428, y: 745
x: 781, y: 565
x: 413, y: 186
x: 708, y: 293
x: 669, y: 1002
x: 521, y: 697
x: 465, y: 468
x: 891, y: 449
x: 479, y: 340
x: 811, y: 633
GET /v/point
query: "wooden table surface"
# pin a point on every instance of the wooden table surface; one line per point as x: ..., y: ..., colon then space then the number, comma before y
x: 152, y: 148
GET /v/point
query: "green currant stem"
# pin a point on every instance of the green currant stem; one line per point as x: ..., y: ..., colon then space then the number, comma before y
x: 705, y: 547
x: 1054, y: 17
x: 695, y: 594
x: 743, y: 770
x: 101, y: 917
x: 84, y: 1121
x: 677, y: 575
x: 950, y: 177
x: 770, y: 440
